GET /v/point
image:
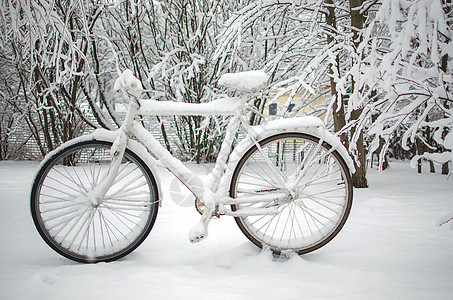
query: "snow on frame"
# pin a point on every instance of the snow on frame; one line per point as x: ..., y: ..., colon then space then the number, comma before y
x: 224, y: 106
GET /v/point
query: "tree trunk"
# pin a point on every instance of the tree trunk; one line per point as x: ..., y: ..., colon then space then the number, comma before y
x: 429, y: 140
x: 378, y: 151
x: 359, y: 177
x: 357, y: 21
x: 445, y: 168
x: 338, y: 106
x: 420, y: 151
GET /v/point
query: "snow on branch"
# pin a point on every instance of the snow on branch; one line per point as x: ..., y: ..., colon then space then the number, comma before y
x: 407, y: 56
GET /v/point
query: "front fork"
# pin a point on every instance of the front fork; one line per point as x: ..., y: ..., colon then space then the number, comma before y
x: 97, y: 195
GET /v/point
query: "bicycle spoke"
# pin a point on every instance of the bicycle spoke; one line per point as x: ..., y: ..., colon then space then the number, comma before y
x: 126, y: 188
x: 59, y: 190
x: 80, y: 188
x: 77, y: 182
x: 312, y: 212
x: 268, y: 177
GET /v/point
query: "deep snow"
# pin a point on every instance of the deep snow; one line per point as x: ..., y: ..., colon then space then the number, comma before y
x: 390, y: 248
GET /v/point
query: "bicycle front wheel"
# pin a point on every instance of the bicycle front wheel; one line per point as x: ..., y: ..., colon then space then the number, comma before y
x: 75, y: 227
x: 317, y: 183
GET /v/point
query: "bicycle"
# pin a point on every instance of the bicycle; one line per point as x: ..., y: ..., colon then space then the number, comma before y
x: 287, y: 183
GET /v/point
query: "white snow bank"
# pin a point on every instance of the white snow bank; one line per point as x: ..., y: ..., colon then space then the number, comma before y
x: 389, y: 248
x: 249, y: 81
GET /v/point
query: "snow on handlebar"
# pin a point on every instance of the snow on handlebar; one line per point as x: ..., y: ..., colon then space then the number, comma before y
x: 128, y: 83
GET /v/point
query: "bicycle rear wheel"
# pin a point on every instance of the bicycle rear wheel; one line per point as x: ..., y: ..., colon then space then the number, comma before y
x: 79, y: 230
x: 315, y: 209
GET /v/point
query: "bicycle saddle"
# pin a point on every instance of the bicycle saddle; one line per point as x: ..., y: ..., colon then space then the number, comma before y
x: 249, y: 81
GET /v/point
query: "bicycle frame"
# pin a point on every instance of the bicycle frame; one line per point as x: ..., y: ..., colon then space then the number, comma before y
x: 213, y: 192
x: 208, y: 192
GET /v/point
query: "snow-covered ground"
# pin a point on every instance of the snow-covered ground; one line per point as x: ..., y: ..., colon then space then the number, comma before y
x: 390, y: 248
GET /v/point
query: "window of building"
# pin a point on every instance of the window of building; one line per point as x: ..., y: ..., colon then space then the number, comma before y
x: 272, y: 109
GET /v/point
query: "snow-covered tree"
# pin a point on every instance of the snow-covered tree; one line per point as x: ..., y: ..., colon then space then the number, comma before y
x: 387, y: 64
x: 66, y: 55
x: 405, y: 76
x: 47, y: 46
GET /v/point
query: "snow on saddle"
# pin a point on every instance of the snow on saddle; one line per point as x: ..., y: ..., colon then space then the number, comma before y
x: 249, y: 82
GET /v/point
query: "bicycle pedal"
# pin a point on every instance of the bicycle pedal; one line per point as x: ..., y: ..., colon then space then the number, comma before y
x: 197, y: 233
x: 197, y: 239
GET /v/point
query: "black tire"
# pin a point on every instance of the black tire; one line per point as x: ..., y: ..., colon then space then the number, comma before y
x: 75, y: 228
x: 320, y: 203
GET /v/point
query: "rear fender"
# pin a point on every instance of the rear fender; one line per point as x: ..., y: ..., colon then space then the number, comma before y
x: 308, y: 125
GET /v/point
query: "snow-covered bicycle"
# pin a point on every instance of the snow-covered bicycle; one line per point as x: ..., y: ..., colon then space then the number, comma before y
x: 287, y: 183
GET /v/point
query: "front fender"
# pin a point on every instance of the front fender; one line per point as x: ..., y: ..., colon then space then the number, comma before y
x: 110, y: 136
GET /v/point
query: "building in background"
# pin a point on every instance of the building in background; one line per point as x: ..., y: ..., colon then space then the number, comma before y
x: 303, y: 103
